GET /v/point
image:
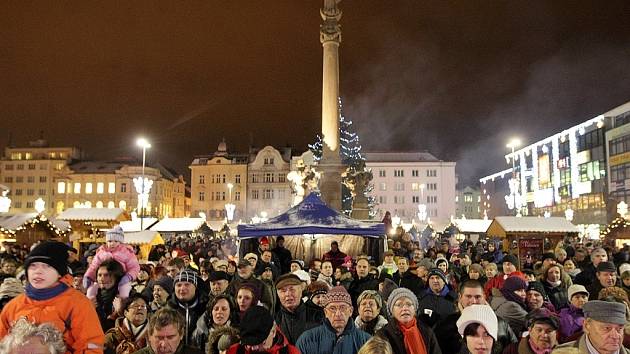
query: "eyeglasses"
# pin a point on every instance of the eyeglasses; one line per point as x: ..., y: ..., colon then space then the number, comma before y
x: 138, y: 307
x: 334, y: 309
x: 403, y: 305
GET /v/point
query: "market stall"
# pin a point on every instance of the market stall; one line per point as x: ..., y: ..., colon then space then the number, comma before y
x: 88, y: 223
x: 145, y: 240
x: 470, y: 229
x: 617, y: 233
x: 533, y: 235
x: 315, y: 226
x: 28, y: 228
x: 181, y: 227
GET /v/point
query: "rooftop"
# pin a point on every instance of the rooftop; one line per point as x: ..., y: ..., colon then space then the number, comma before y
x: 401, y: 156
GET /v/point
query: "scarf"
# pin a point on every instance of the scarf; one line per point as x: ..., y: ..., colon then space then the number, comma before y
x: 45, y: 294
x: 414, y: 343
x: 369, y: 326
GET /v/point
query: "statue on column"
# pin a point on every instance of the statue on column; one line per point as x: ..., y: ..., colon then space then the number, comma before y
x: 330, y: 30
x: 357, y: 179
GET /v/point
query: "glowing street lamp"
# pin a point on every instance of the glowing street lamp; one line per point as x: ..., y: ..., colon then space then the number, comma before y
x: 513, y: 144
x: 144, y: 144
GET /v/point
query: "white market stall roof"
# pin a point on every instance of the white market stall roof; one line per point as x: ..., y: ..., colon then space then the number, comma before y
x: 216, y: 225
x: 11, y: 223
x: 134, y: 224
x: 93, y: 214
x: 437, y: 226
x: 465, y: 226
x: 178, y: 224
x: 143, y: 237
x: 504, y: 224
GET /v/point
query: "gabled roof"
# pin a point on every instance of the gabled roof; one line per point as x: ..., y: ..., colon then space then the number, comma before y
x: 178, y: 224
x: 502, y: 224
x: 12, y: 222
x: 134, y: 224
x: 93, y: 214
x: 402, y: 156
x: 143, y: 237
x: 472, y: 225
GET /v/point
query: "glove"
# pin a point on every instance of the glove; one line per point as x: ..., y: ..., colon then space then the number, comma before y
x: 124, y: 280
x: 87, y: 282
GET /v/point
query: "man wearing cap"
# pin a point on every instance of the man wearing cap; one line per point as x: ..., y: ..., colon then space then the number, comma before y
x: 252, y: 258
x: 572, y: 317
x: 603, y: 329
x: 219, y: 282
x: 542, y: 338
x: 335, y: 256
x: 294, y: 316
x: 338, y: 334
x: 588, y: 275
x: 510, y: 268
x: 437, y: 301
x: 260, y: 334
x: 284, y: 255
x: 245, y: 273
x: 606, y: 276
x: 188, y: 300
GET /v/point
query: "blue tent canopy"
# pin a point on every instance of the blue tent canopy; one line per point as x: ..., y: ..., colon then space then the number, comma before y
x: 311, y: 216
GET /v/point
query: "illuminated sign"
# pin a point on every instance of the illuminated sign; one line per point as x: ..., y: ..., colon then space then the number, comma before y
x: 543, y: 197
x: 544, y: 174
x: 563, y: 163
x: 619, y: 159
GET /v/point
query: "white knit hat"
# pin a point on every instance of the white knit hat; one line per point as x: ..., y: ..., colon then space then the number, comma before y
x: 481, y: 314
x: 115, y: 234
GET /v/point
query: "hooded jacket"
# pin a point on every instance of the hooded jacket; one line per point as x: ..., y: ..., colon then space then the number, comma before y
x: 324, y: 339
x: 191, y: 311
x: 70, y: 312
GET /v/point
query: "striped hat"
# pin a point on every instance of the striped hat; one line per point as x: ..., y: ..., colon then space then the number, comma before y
x: 337, y: 294
x: 186, y: 276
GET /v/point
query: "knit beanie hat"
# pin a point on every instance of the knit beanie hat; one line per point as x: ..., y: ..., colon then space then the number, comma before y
x: 440, y: 261
x: 399, y: 294
x: 512, y: 284
x: 482, y: 314
x: 538, y: 287
x: 512, y: 259
x: 165, y: 282
x: 255, y: 325
x: 251, y: 287
x: 187, y: 276
x: 337, y: 294
x: 318, y: 287
x: 115, y: 234
x: 439, y: 273
x: 53, y: 253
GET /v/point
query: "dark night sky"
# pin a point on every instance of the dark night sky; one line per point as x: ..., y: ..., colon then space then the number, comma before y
x: 457, y: 78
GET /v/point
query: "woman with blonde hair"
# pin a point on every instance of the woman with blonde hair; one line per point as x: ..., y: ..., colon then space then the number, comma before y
x: 556, y: 283
x: 376, y: 345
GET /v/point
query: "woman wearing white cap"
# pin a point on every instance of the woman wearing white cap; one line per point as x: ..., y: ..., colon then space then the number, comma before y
x: 478, y: 325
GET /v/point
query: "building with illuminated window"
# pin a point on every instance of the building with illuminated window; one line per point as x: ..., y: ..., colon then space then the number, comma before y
x: 29, y: 173
x: 269, y: 191
x: 412, y: 185
x: 467, y: 203
x: 109, y: 184
x: 578, y: 173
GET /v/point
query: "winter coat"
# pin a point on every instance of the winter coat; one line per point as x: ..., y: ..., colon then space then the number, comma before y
x: 120, y: 339
x: 392, y: 333
x: 122, y: 254
x: 284, y: 258
x: 380, y: 323
x: 511, y: 311
x: 324, y: 339
x: 571, y: 321
x: 580, y: 344
x: 359, y: 285
x: 446, y: 328
x: 522, y: 347
x: 410, y: 281
x: 264, y: 294
x: 191, y: 312
x: 203, y: 330
x: 70, y: 312
x: 182, y: 349
x: 558, y: 295
x: 336, y: 258
x: 587, y: 276
x: 497, y: 282
x: 434, y: 307
x: 325, y: 279
x: 293, y: 324
x: 281, y: 346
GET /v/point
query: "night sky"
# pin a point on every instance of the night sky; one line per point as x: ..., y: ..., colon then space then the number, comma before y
x: 457, y: 78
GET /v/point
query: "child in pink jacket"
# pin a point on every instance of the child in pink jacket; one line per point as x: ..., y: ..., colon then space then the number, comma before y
x: 114, y: 248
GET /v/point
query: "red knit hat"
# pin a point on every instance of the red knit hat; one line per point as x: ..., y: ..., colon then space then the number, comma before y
x: 337, y: 294
x: 264, y: 240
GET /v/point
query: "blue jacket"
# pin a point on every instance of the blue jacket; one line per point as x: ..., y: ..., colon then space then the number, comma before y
x: 323, y: 339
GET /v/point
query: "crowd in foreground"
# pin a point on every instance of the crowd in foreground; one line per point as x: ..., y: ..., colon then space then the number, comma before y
x: 197, y: 297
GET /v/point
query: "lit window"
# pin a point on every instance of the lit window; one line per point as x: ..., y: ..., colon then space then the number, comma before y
x: 77, y: 188
x: 76, y: 204
x: 88, y: 204
x: 61, y: 187
x: 111, y: 188
x: 60, y: 207
x: 99, y: 204
x: 100, y: 187
x: 88, y: 188
x: 122, y: 204
x: 111, y: 205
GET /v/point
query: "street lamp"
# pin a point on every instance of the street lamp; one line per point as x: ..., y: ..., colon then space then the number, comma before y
x: 144, y: 144
x: 513, y: 144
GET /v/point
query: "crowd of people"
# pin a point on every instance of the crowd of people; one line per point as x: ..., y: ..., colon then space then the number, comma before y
x: 197, y: 296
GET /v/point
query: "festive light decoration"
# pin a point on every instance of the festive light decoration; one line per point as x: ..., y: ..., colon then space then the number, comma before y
x: 5, y: 202
x: 143, y: 194
x: 622, y: 209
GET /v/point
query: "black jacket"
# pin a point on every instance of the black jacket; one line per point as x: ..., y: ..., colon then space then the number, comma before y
x: 394, y: 336
x: 293, y: 324
x: 410, y: 281
x: 587, y: 276
x: 191, y: 311
x: 360, y: 285
x: 432, y: 308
